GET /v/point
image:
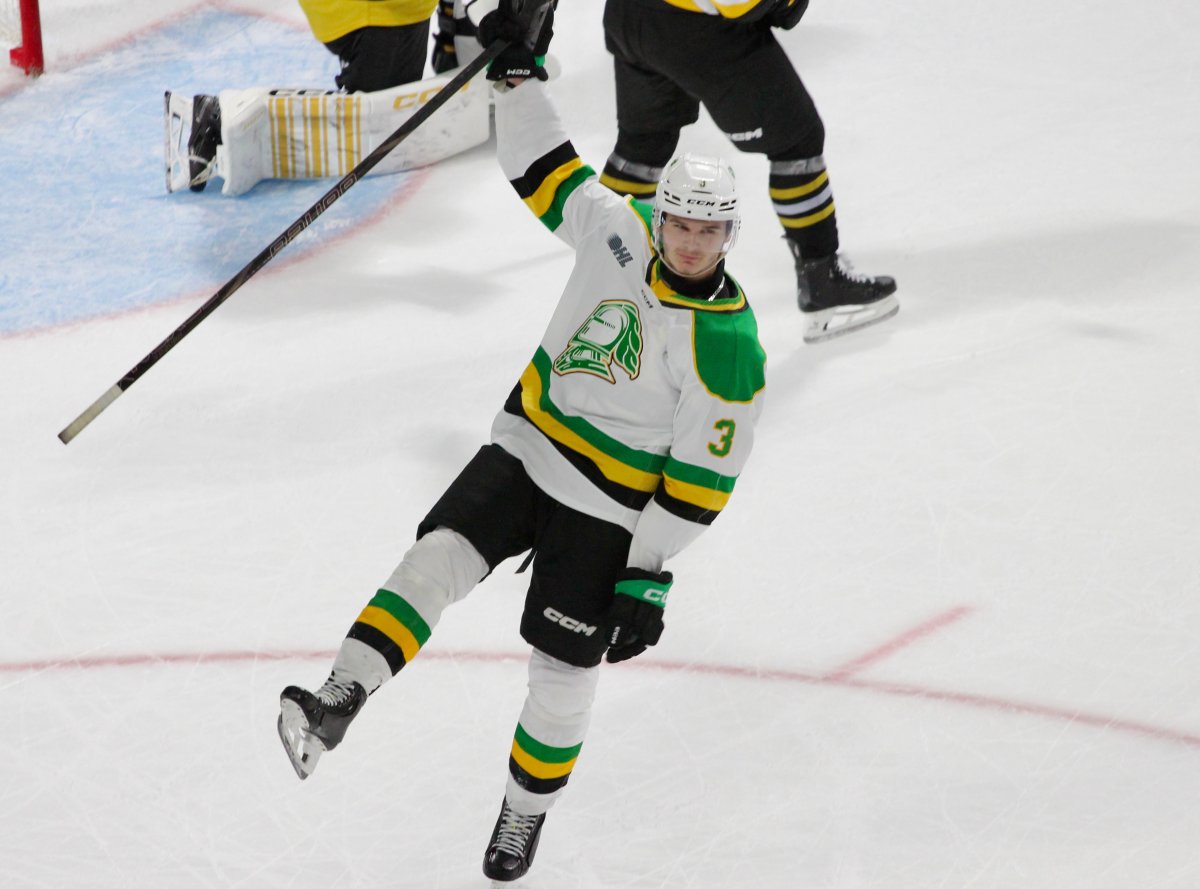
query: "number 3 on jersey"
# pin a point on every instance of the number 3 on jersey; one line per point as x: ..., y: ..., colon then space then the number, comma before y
x: 725, y: 429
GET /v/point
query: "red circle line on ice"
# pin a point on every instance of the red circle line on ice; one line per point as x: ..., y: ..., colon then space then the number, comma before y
x: 842, y: 677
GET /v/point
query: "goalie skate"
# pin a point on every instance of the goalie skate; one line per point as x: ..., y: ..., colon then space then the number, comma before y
x: 176, y: 111
x: 184, y: 168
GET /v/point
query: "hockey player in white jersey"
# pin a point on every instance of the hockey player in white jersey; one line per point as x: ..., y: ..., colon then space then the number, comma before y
x: 620, y: 443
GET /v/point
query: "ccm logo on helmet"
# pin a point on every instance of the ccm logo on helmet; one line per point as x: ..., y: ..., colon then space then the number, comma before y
x: 568, y: 623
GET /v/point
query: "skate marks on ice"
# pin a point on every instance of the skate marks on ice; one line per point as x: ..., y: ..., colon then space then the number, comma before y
x: 847, y: 675
x: 1125, y: 265
x: 81, y: 152
x: 797, y: 783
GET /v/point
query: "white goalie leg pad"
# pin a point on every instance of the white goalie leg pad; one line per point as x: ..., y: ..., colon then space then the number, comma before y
x: 460, y: 124
x: 243, y: 157
x: 557, y: 712
x: 439, y: 570
x: 314, y: 134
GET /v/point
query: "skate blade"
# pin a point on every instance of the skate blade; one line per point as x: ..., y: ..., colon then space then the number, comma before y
x: 176, y: 110
x: 830, y: 323
x: 302, y: 748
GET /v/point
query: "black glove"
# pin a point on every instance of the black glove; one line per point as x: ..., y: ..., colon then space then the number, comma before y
x: 526, y: 51
x: 444, y: 57
x: 786, y: 14
x: 635, y: 618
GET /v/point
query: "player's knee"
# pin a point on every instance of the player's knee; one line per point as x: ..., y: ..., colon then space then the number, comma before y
x: 806, y: 142
x: 442, y: 564
x: 650, y: 149
x: 558, y: 691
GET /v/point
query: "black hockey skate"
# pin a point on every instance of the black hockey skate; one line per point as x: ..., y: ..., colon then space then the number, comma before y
x: 835, y: 300
x: 309, y: 724
x: 203, y: 141
x: 513, y: 844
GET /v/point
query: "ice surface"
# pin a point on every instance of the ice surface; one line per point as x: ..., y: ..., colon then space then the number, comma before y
x: 946, y: 635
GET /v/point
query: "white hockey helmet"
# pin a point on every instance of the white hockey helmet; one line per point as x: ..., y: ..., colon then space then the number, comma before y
x: 699, y: 188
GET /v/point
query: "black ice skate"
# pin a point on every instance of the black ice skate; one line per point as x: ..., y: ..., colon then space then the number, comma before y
x: 836, y: 301
x: 203, y: 141
x: 309, y: 724
x: 513, y: 844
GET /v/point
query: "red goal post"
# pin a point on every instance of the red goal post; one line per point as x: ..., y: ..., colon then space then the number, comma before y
x: 21, y: 31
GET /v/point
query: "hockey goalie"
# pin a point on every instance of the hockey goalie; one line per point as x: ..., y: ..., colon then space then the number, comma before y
x: 243, y: 136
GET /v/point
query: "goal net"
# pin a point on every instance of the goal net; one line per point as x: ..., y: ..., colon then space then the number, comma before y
x: 21, y: 34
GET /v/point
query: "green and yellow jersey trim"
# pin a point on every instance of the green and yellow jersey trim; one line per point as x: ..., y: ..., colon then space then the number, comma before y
x: 669, y: 297
x: 617, y: 468
x: 627, y: 475
x: 549, y: 181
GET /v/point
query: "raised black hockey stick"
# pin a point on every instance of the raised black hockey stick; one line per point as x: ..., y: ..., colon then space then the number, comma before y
x: 309, y: 216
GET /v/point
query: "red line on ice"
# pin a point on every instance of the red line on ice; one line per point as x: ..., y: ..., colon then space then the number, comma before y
x: 906, y: 638
x: 731, y: 671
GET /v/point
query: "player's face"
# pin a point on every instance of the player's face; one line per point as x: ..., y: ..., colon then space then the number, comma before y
x: 693, y: 247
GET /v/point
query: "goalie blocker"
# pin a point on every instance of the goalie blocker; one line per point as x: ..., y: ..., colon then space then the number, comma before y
x: 313, y: 134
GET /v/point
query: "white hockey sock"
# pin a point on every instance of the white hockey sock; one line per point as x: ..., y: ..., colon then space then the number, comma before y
x: 550, y: 733
x: 439, y: 569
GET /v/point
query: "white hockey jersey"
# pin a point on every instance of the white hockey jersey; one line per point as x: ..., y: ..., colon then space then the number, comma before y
x: 640, y: 403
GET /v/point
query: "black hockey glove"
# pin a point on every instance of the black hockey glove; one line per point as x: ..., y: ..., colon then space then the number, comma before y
x: 787, y: 14
x: 444, y: 57
x: 635, y: 618
x: 525, y: 54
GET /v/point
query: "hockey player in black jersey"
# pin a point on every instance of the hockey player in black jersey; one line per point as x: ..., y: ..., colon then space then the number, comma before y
x: 671, y: 56
x: 620, y: 443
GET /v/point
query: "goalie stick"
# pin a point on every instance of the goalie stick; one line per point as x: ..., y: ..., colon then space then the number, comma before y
x: 537, y: 12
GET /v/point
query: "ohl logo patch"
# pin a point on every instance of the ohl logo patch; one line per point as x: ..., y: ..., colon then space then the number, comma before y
x: 612, y: 334
x: 619, y: 251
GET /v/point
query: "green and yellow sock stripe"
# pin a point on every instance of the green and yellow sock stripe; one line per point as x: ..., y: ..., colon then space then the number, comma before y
x: 392, y: 627
x: 538, y: 767
x: 549, y: 181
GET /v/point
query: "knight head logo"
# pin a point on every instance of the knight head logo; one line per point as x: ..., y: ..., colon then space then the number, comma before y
x: 612, y: 334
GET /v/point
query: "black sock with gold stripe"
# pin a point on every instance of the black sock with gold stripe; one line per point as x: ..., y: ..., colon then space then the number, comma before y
x: 627, y: 177
x: 804, y: 204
